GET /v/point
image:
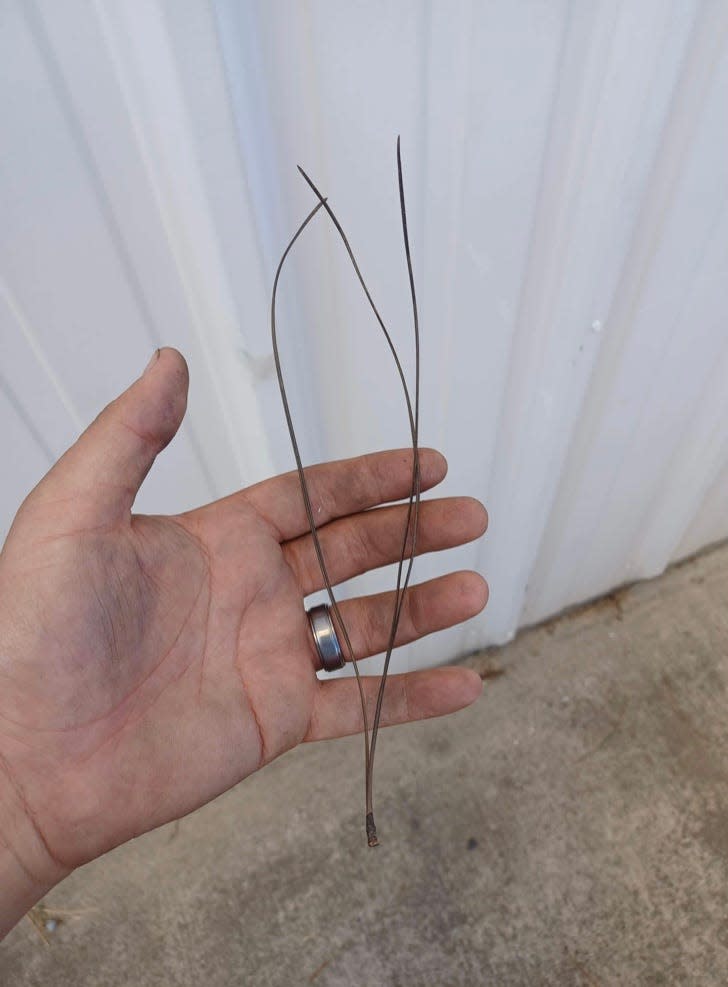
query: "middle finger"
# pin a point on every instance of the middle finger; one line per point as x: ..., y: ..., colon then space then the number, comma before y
x: 360, y: 542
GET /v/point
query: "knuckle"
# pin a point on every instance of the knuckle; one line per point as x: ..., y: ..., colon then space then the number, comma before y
x: 371, y: 628
x: 416, y: 612
x: 303, y: 562
x: 359, y: 545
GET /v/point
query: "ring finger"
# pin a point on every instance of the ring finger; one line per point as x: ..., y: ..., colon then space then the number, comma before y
x: 428, y: 607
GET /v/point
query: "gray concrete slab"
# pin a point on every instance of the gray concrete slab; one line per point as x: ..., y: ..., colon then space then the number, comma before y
x: 570, y: 829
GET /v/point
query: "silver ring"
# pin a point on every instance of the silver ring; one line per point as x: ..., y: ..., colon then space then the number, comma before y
x: 325, y: 639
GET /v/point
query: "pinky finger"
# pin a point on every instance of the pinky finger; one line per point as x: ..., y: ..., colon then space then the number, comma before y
x: 407, y: 697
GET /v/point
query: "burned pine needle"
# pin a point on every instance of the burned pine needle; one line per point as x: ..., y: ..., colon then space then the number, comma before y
x: 409, y: 538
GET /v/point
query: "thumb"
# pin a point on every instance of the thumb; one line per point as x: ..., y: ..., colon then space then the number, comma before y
x: 102, y: 472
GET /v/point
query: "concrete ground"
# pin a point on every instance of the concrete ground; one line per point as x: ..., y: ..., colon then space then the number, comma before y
x: 570, y: 829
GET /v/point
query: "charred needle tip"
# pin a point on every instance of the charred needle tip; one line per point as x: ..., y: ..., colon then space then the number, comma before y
x: 371, y: 830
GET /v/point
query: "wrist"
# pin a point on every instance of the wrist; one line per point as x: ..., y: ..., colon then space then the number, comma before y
x: 27, y: 868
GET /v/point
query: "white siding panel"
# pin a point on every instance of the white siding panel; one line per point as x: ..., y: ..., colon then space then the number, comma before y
x: 565, y: 167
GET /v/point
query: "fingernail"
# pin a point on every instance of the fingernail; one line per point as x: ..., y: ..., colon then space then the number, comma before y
x: 155, y: 357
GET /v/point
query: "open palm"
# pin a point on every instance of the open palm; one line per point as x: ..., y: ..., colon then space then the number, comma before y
x: 150, y: 663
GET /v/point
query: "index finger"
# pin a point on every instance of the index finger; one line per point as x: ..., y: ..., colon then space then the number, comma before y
x: 343, y: 487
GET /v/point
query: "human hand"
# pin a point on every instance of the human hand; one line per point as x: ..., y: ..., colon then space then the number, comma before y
x: 147, y: 664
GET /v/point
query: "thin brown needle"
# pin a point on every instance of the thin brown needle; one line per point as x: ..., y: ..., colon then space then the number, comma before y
x: 412, y: 515
x: 304, y: 484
